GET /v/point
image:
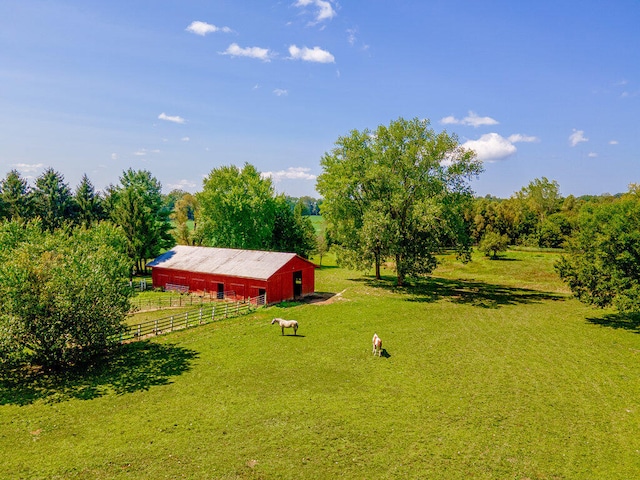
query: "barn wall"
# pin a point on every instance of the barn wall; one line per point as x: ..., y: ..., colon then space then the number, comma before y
x: 278, y: 287
x: 205, y: 282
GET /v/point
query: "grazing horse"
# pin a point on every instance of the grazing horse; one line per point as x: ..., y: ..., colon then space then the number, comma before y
x: 377, y: 345
x: 286, y: 324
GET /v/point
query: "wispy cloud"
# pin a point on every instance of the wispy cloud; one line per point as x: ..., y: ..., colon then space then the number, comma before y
x: 473, y: 119
x: 28, y: 167
x: 592, y: 155
x: 291, y: 173
x: 492, y: 147
x: 315, y: 54
x: 577, y: 137
x: 203, y: 28
x: 323, y: 9
x: 182, y: 185
x: 518, y: 137
x: 185, y: 139
x: 279, y: 92
x: 234, y: 50
x: 169, y: 118
x: 613, y: 142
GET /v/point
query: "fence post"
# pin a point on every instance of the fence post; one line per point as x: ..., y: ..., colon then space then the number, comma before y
x: 213, y: 313
x: 138, y: 332
x: 172, y: 323
x: 155, y: 327
x: 200, y: 318
x: 186, y: 319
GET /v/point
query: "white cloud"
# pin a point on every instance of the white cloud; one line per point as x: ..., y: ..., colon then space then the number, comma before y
x: 202, y: 28
x: 613, y: 142
x: 577, y: 137
x: 491, y: 147
x: 315, y: 54
x: 235, y: 50
x: 280, y: 92
x: 473, y: 119
x: 182, y: 185
x: 518, y: 137
x: 291, y: 173
x: 168, y: 118
x: 114, y: 156
x: 324, y: 9
x: 185, y: 139
x: 592, y: 155
x: 28, y: 167
x: 140, y: 153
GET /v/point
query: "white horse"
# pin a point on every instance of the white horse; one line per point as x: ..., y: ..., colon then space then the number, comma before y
x: 377, y: 344
x: 286, y: 324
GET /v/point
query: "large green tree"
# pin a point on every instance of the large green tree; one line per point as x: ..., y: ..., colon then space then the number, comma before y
x: 237, y: 208
x: 137, y: 206
x: 14, y: 197
x: 89, y: 204
x: 398, y: 193
x: 52, y: 200
x: 63, y: 298
x: 602, y: 266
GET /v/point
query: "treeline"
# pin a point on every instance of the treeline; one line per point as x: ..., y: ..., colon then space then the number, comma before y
x: 236, y: 209
x: 535, y: 216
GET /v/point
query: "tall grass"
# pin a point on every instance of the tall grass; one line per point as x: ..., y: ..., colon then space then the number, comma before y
x: 489, y: 370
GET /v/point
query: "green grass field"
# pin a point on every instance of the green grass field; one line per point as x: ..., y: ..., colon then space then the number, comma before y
x: 490, y: 371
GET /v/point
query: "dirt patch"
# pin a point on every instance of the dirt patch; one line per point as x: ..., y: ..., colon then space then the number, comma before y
x: 324, y: 298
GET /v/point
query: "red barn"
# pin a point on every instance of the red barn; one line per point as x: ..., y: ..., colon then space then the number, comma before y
x: 235, y: 273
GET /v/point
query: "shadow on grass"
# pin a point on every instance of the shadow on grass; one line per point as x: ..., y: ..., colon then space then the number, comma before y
x: 626, y: 321
x: 130, y: 368
x: 479, y: 294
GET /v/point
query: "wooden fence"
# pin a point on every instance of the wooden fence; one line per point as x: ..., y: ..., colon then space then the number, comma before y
x: 205, y: 314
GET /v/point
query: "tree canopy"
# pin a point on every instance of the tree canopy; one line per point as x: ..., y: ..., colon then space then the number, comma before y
x: 602, y: 266
x: 137, y: 206
x: 63, y: 295
x: 238, y: 208
x: 398, y: 192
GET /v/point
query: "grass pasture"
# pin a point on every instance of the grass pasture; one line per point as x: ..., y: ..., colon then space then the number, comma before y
x: 489, y: 371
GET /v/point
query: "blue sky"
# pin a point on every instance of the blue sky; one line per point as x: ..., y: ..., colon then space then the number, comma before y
x: 545, y: 88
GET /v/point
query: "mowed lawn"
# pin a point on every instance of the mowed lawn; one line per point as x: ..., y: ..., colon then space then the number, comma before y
x: 490, y: 371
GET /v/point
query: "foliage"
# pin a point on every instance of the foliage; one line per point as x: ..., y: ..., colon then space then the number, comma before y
x: 184, y: 211
x: 137, y: 206
x: 602, y: 266
x: 493, y: 243
x: 64, y: 299
x: 292, y: 232
x: 398, y: 193
x: 89, y: 204
x: 52, y: 200
x: 239, y: 209
x: 14, y: 197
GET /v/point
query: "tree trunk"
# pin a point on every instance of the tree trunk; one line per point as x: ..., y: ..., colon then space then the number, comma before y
x: 377, y: 261
x: 399, y: 270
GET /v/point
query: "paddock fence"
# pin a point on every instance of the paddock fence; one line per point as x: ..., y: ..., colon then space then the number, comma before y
x: 206, y: 313
x: 175, y: 299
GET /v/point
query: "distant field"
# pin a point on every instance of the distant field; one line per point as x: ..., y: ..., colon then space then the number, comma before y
x: 490, y: 371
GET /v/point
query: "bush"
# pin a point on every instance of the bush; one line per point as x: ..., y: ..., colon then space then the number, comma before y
x: 64, y: 301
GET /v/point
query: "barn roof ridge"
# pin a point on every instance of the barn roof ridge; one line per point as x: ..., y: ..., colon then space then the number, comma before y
x: 258, y: 264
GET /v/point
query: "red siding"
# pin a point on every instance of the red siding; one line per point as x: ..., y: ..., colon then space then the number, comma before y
x: 278, y: 287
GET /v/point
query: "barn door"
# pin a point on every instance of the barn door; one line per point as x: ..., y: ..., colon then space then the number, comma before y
x: 297, y: 284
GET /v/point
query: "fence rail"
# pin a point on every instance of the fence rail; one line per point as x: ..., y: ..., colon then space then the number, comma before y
x: 180, y: 300
x: 205, y: 314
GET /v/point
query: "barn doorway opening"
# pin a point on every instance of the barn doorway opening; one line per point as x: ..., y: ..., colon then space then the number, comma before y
x: 220, y: 291
x: 297, y: 284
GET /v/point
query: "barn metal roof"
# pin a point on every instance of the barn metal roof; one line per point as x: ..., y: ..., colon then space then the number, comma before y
x: 223, y: 261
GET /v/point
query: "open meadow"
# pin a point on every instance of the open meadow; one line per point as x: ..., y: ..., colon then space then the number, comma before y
x: 489, y: 370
